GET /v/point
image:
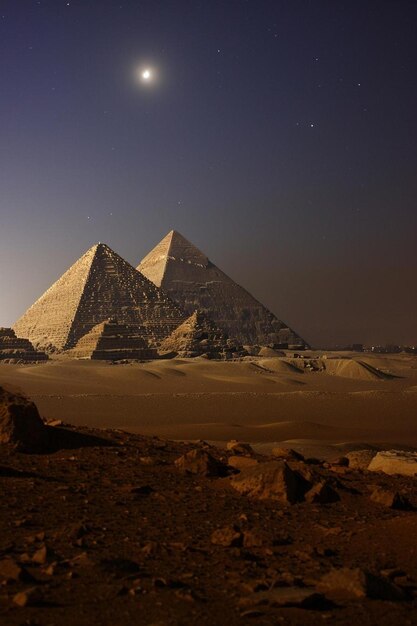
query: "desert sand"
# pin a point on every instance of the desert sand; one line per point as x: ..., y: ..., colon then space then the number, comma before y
x: 114, y: 522
x: 358, y: 399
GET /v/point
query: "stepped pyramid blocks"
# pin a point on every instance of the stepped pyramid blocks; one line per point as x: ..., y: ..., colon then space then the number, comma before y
x: 99, y: 286
x: 14, y: 348
x: 113, y: 341
x: 192, y: 280
x: 199, y: 336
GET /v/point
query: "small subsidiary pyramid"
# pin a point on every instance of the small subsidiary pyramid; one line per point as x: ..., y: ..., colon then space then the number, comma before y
x: 99, y: 286
x: 192, y: 280
x: 199, y: 336
x: 14, y: 348
x: 113, y: 341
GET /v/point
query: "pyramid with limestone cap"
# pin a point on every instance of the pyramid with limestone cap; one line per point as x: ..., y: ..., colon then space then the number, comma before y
x: 192, y: 280
x: 99, y: 286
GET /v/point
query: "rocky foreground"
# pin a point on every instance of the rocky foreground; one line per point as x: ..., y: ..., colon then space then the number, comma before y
x: 106, y: 527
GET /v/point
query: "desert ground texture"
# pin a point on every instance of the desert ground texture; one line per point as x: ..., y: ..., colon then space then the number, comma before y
x: 354, y: 398
x: 190, y: 491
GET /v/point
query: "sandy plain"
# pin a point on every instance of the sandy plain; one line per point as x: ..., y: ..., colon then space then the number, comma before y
x: 357, y: 399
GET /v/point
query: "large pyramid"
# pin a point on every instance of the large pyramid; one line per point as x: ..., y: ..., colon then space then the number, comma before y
x: 99, y: 286
x: 192, y: 280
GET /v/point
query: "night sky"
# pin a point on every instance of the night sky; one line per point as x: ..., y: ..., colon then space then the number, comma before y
x: 278, y: 136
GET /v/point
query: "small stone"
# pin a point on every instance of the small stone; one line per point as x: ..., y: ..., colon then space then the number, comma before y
x: 239, y: 447
x: 55, y: 423
x: 390, y: 499
x: 322, y: 493
x: 228, y: 537
x: 348, y: 583
x: 200, y: 462
x: 40, y: 556
x: 287, y: 453
x: 147, y: 460
x: 303, y: 597
x: 342, y: 461
x: 29, y: 597
x: 10, y: 571
x: 241, y: 462
x: 253, y: 539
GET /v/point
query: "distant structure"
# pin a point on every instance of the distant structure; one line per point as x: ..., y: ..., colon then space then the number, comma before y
x: 14, y: 348
x: 113, y: 341
x: 199, y: 336
x: 192, y: 280
x: 99, y: 286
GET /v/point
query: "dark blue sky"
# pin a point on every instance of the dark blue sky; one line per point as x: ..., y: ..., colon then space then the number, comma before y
x: 280, y: 137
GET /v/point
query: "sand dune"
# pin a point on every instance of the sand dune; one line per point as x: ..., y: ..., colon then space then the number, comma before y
x: 359, y: 370
x: 261, y: 400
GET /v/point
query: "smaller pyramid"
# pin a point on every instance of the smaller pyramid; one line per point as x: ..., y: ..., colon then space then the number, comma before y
x: 199, y: 336
x: 112, y: 341
x: 14, y: 348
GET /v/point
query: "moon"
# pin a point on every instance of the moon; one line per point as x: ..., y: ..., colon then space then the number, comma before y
x: 146, y: 75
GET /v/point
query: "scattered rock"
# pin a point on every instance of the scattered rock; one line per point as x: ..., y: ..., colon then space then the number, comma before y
x: 200, y: 462
x: 241, y: 462
x: 274, y: 480
x: 10, y: 571
x: 287, y: 453
x: 230, y: 536
x: 29, y: 597
x: 348, y: 583
x: 322, y: 493
x: 55, y: 423
x: 341, y: 461
x: 40, y: 556
x: 239, y: 447
x: 360, y: 459
x: 390, y: 499
x: 147, y: 460
x: 395, y: 462
x: 253, y: 539
x: 303, y: 597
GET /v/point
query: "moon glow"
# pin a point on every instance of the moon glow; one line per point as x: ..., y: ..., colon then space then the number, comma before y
x: 146, y: 75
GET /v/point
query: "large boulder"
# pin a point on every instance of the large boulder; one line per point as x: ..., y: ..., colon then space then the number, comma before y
x: 274, y: 480
x: 395, y: 462
x: 20, y: 424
